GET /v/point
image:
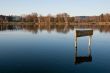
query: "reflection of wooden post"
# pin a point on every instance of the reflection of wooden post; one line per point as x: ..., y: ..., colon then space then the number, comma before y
x: 75, y: 54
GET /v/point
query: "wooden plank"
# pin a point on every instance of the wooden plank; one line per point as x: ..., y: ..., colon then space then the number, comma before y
x: 80, y: 33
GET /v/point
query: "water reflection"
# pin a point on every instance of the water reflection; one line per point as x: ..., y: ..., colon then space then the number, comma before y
x: 82, y: 33
x: 24, y: 52
x: 63, y: 28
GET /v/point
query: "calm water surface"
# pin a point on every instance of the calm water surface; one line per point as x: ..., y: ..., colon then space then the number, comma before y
x: 45, y: 51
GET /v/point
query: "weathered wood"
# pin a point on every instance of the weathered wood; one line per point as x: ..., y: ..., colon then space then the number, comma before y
x: 80, y: 33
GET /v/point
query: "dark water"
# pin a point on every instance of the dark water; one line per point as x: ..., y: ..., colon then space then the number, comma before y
x: 52, y: 50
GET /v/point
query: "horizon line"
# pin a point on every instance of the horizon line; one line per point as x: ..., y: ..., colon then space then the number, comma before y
x: 23, y: 14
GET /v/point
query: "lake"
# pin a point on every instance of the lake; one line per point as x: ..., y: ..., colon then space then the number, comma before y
x: 51, y: 49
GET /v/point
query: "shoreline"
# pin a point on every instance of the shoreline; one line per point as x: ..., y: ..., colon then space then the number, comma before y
x: 53, y: 23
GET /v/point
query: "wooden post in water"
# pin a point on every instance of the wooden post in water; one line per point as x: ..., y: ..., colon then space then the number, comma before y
x: 81, y: 33
x: 89, y: 47
x: 75, y: 39
x: 90, y: 39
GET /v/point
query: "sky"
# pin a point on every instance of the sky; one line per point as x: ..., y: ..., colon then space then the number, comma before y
x: 45, y: 7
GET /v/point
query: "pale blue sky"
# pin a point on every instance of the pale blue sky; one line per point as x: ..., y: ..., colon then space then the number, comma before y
x: 44, y: 7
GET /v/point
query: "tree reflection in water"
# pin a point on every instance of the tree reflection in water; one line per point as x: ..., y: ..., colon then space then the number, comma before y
x: 63, y: 28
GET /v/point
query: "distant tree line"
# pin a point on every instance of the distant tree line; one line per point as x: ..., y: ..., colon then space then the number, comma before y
x: 59, y: 18
x: 11, y: 18
x: 100, y: 18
